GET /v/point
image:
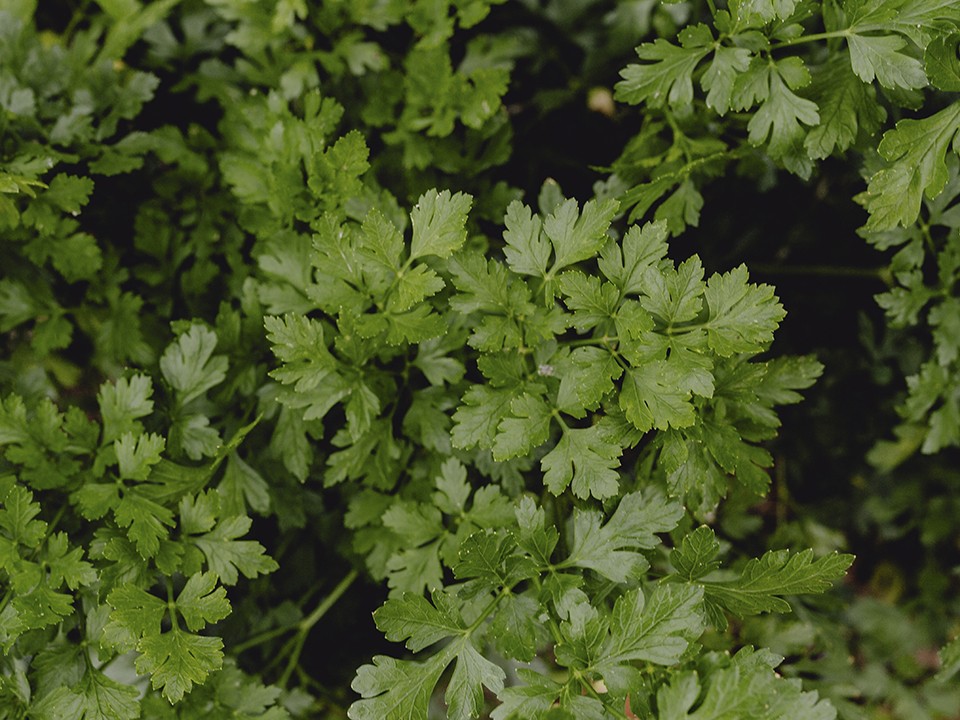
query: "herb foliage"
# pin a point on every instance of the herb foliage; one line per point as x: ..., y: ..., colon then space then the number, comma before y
x: 279, y: 320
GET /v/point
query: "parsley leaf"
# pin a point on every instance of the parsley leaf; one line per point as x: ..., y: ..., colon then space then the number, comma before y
x: 764, y: 580
x: 611, y: 548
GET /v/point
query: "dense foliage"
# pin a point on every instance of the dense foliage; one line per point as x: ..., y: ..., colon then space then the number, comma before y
x: 441, y: 309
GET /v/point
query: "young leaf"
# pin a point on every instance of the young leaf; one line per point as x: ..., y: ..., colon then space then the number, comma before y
x: 438, y: 223
x: 122, y: 404
x: 190, y: 366
x: 526, y: 250
x: 696, y: 556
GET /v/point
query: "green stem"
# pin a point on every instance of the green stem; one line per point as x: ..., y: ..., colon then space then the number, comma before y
x: 592, y: 692
x: 172, y: 605
x: 318, y: 612
x: 305, y: 625
x: 262, y: 637
x: 78, y: 14
x: 815, y: 37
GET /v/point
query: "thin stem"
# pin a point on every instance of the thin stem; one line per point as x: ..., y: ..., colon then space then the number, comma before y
x: 172, y: 605
x: 263, y: 637
x: 78, y: 15
x: 294, y: 660
x: 811, y: 38
x: 295, y: 645
x: 329, y: 601
x: 592, y: 691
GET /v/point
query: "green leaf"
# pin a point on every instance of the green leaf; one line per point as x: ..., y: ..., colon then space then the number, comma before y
x: 719, y: 78
x: 396, y: 689
x: 879, y: 56
x: 585, y: 459
x: 17, y: 304
x: 591, y: 301
x: 201, y: 601
x: 416, y: 523
x: 381, y: 241
x: 177, y: 660
x: 696, y: 556
x: 528, y: 427
x: 41, y: 607
x: 586, y: 377
x: 453, y: 491
x: 242, y: 486
x: 778, y: 120
x: 942, y: 63
x: 411, y: 618
x: 916, y: 152
x: 612, y: 549
x: 401, y: 689
x: 668, y: 76
x: 656, y: 395
x: 625, y: 264
x: 949, y: 660
x: 18, y: 516
x: 438, y: 223
x: 847, y: 107
x: 190, y: 366
x: 123, y: 403
x: 146, y: 522
x: 96, y: 697
x: 135, y: 613
x: 657, y: 629
x: 527, y: 251
x: 477, y: 419
x: 136, y: 455
x: 765, y: 580
x: 413, y: 286
x: 531, y: 700
x: 226, y: 555
x: 578, y: 236
x: 744, y: 686
x: 69, y: 193
x: 66, y: 565
x: 473, y: 673
x: 306, y: 365
x: 675, y: 295
x: 743, y: 316
x: 533, y: 535
x: 516, y: 628
x: 488, y: 558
